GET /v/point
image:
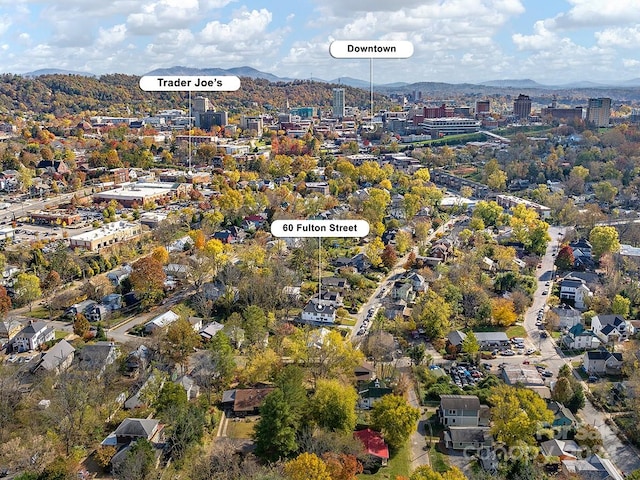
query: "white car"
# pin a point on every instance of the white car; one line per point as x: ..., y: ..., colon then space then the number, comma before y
x: 530, y: 351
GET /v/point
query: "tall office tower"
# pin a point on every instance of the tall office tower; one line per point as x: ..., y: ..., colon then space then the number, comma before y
x: 483, y: 107
x: 338, y: 102
x: 522, y: 106
x: 599, y: 111
x: 199, y: 105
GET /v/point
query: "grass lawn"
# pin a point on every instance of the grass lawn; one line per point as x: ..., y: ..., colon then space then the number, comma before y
x: 348, y: 321
x: 241, y: 429
x: 516, y: 331
x: 42, y: 313
x: 399, y: 465
x: 60, y: 334
x: 438, y: 461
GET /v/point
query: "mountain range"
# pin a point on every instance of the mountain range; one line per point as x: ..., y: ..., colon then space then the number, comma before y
x: 397, y: 87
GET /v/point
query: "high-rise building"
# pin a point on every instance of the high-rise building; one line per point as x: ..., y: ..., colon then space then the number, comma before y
x: 522, y: 106
x: 483, y: 107
x: 338, y: 103
x: 599, y: 111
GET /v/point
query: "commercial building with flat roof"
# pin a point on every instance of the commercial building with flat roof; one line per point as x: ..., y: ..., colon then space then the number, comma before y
x: 105, y: 236
x: 509, y: 201
x: 139, y: 193
x: 441, y: 127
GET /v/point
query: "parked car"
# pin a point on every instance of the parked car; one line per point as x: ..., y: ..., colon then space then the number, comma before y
x: 547, y: 373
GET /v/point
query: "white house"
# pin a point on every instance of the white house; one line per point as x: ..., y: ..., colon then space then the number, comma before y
x: 578, y: 338
x: 575, y: 291
x: 160, y: 322
x: 32, y: 336
x: 608, y: 326
x: 318, y: 312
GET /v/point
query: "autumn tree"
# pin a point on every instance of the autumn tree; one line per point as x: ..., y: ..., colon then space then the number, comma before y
x: 147, y: 279
x: 395, y: 418
x: 517, y: 414
x: 161, y: 255
x: 180, y: 341
x: 342, y: 466
x: 620, y: 305
x: 389, y: 257
x: 333, y: 405
x: 503, y: 312
x: 604, y: 239
x: 565, y: 258
x: 5, y: 302
x: 306, y: 466
x: 81, y: 325
x: 27, y: 288
x: 433, y: 313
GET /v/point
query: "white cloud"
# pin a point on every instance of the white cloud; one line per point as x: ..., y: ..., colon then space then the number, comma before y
x: 542, y: 39
x: 619, y: 37
x: 163, y: 14
x: 111, y: 36
x: 598, y: 13
x: 631, y: 63
x: 5, y: 23
x: 247, y: 25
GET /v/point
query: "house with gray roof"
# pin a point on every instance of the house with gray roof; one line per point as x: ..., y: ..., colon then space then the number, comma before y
x: 56, y: 359
x: 32, y: 336
x: 602, y: 362
x: 468, y: 438
x: 96, y: 357
x: 462, y: 411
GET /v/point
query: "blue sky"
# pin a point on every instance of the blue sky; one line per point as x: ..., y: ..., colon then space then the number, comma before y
x: 456, y: 41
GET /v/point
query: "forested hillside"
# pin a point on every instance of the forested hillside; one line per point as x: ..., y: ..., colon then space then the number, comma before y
x: 119, y: 94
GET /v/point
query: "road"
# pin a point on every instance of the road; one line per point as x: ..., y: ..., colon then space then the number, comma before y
x: 621, y: 453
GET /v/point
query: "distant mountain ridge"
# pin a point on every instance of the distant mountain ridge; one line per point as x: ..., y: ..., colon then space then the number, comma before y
x: 55, y: 71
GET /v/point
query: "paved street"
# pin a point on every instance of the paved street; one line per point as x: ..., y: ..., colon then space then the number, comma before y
x: 622, y: 454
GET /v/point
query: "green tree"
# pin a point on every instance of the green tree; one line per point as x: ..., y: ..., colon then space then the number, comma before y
x: 562, y: 391
x: 433, y: 313
x: 275, y: 432
x: 333, y: 405
x: 604, y: 239
x: 180, y: 341
x: 470, y: 344
x: 139, y: 462
x: 27, y: 288
x: 81, y: 325
x: 187, y: 429
x: 395, y: 419
x: 489, y: 212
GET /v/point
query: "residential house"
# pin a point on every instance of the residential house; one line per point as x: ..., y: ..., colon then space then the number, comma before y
x: 563, y: 449
x: 196, y: 323
x: 190, y: 387
x: 32, y: 336
x: 374, y: 445
x: 611, y: 327
x: 53, y: 167
x: 365, y: 372
x: 210, y: 331
x: 467, y: 438
x: 567, y: 316
x: 160, y: 322
x: 579, y: 338
x: 574, y: 291
x: 593, y: 467
x: 330, y: 297
x: 462, y: 411
x: 455, y: 338
x: 318, y: 312
x: 137, y: 399
x: 418, y: 282
x: 96, y: 357
x: 117, y: 275
x: 176, y: 271
x: 602, y: 362
x: 402, y: 291
x: 137, y: 361
x: 83, y: 308
x: 582, y: 255
x: 56, y: 359
x: 371, y: 392
x: 132, y: 429
x: 563, y: 420
x: 335, y: 283
x: 245, y: 401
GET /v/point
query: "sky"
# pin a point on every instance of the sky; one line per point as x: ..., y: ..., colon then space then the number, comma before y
x: 553, y: 42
